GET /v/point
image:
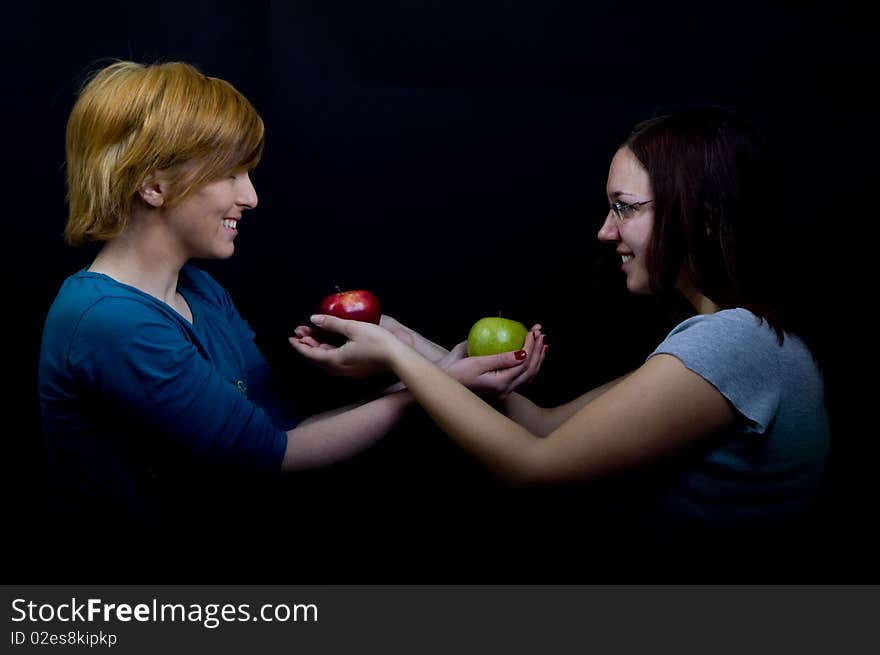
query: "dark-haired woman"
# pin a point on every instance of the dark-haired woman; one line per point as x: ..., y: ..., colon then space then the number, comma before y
x: 727, y: 415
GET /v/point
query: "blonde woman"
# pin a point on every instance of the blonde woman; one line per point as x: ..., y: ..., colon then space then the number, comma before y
x: 147, y: 371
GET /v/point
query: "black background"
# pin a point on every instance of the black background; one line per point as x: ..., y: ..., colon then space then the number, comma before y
x: 450, y: 156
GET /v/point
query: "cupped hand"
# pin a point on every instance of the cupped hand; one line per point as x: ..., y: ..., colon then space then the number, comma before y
x: 309, y: 336
x: 366, y: 351
x: 497, y: 375
x: 312, y: 336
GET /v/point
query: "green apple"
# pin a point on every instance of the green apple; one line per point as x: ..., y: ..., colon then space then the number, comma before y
x: 494, y: 335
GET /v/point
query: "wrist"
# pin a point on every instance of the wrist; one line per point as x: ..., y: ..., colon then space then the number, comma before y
x: 397, y: 354
x: 407, y: 364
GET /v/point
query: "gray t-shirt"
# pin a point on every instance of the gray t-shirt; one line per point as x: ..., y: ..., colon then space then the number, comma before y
x: 769, y: 467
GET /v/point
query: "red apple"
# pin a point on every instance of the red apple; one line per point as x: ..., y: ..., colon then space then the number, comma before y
x: 358, y: 305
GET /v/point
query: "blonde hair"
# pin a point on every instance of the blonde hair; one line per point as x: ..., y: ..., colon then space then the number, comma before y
x: 133, y: 120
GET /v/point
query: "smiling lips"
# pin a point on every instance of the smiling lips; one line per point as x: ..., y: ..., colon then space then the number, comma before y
x: 230, y: 223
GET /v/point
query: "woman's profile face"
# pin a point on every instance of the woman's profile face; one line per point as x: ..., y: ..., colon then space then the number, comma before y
x: 630, y: 217
x: 206, y: 222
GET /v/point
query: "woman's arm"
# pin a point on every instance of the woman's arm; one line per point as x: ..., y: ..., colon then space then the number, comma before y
x: 342, y: 433
x: 487, y: 375
x: 659, y: 409
x: 476, y: 373
x: 425, y: 347
x: 542, y: 421
x: 539, y: 420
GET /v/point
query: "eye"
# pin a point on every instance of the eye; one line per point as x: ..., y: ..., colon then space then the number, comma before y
x: 627, y: 210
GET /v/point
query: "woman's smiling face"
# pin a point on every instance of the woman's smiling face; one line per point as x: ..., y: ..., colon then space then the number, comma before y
x: 205, y: 223
x: 629, y: 188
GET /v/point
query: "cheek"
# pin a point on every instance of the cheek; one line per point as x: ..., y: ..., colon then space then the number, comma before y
x: 637, y: 234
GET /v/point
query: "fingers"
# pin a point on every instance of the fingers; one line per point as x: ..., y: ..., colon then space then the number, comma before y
x: 515, y: 359
x: 538, y: 350
x: 312, y: 342
x: 311, y: 337
x: 389, y: 322
x: 500, y: 362
x: 305, y: 346
x: 327, y: 357
x: 332, y: 323
x: 535, y: 349
x: 535, y: 359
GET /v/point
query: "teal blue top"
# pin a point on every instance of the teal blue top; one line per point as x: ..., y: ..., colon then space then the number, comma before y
x: 132, y: 393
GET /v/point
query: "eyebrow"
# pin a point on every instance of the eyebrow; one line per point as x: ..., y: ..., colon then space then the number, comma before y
x: 618, y: 194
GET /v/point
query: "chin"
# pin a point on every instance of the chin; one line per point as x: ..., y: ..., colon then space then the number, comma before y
x: 637, y: 287
x: 226, y: 253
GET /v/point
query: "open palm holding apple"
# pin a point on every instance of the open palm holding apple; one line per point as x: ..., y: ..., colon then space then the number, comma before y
x: 313, y: 337
x: 370, y: 348
x: 367, y: 349
x: 500, y: 374
x: 503, y: 354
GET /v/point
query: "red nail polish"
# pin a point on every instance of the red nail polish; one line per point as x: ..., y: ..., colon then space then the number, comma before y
x: 520, y: 354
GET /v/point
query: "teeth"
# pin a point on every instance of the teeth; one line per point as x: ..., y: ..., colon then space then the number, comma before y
x: 230, y: 223
x: 626, y: 258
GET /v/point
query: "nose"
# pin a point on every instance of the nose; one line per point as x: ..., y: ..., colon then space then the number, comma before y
x: 247, y: 194
x: 608, y: 231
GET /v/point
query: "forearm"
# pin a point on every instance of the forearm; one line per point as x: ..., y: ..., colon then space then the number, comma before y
x: 556, y: 416
x: 501, y: 444
x: 387, y: 391
x: 542, y: 421
x: 339, y: 434
x: 529, y: 415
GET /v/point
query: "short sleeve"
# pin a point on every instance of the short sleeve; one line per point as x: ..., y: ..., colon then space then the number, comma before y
x: 131, y: 355
x: 735, y: 353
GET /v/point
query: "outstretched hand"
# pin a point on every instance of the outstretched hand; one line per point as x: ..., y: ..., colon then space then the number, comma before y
x: 312, y: 336
x: 365, y: 352
x: 497, y: 375
x: 368, y: 348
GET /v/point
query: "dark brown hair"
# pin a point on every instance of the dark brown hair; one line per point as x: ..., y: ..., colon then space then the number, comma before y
x: 718, y: 216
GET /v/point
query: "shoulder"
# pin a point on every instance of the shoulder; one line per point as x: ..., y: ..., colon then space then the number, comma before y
x: 95, y: 318
x: 99, y: 299
x: 739, y: 354
x: 733, y: 331
x: 734, y: 321
x: 98, y: 309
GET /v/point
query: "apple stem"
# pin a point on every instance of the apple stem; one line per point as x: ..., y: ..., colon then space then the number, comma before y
x: 338, y: 289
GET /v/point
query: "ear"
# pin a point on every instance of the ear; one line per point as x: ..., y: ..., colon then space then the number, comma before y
x: 152, y: 191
